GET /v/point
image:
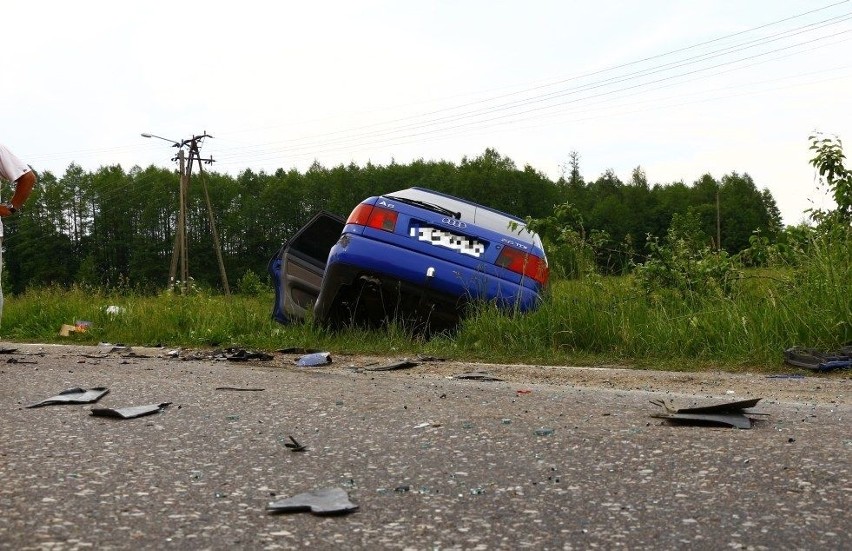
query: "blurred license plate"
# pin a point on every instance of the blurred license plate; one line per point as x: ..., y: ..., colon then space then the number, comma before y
x: 443, y: 238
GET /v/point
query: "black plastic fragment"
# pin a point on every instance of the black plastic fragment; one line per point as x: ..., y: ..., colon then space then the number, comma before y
x: 74, y: 396
x: 477, y: 376
x: 239, y: 389
x: 297, y: 350
x: 242, y: 355
x: 402, y: 364
x: 130, y: 412
x: 328, y: 501
x: 294, y: 446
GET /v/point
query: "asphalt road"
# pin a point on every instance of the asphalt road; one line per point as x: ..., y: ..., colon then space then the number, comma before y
x: 431, y: 462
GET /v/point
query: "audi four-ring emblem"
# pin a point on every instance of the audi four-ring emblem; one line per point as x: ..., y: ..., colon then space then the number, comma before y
x: 453, y: 222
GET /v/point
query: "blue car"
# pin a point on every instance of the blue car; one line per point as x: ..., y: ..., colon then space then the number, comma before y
x: 416, y: 255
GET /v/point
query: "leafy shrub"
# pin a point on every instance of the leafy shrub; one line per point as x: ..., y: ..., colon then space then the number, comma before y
x: 569, y: 252
x: 685, y: 264
x: 251, y: 285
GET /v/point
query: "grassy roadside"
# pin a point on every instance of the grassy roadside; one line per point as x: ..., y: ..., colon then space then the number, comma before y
x: 596, y: 321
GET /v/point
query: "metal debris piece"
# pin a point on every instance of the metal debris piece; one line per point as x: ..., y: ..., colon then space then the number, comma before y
x: 314, y: 359
x: 74, y: 396
x: 242, y: 355
x: 328, y: 501
x: 477, y: 376
x: 130, y: 412
x: 727, y: 407
x: 788, y: 376
x: 108, y: 347
x: 402, y: 364
x: 132, y: 354
x: 294, y: 446
x: 8, y: 350
x: 17, y: 361
x: 731, y: 414
x: 239, y: 389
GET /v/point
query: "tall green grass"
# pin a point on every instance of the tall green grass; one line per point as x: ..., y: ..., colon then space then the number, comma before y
x: 591, y: 321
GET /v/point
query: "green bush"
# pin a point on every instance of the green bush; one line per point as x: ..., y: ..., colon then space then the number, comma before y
x: 251, y: 285
x: 683, y: 263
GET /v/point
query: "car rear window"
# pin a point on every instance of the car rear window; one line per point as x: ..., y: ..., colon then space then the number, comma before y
x: 484, y: 217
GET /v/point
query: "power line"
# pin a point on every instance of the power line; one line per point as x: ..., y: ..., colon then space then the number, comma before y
x: 428, y: 124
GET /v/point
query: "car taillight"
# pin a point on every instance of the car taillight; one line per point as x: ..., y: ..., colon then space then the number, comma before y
x: 373, y: 217
x: 526, y: 264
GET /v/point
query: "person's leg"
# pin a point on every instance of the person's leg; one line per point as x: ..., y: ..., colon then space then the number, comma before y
x: 1, y: 272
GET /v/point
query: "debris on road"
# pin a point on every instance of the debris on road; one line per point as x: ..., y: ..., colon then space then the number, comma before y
x: 294, y: 446
x: 731, y: 414
x: 817, y: 360
x: 328, y: 501
x: 74, y: 396
x: 477, y: 376
x: 425, y: 424
x: 239, y: 389
x: 130, y: 412
x: 109, y: 348
x: 314, y: 359
x: 8, y: 350
x: 402, y: 364
x: 242, y: 355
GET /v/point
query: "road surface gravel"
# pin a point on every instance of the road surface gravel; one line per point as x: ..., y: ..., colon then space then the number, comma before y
x: 546, y: 458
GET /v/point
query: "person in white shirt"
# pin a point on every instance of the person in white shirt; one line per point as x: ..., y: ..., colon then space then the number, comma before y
x: 22, y: 176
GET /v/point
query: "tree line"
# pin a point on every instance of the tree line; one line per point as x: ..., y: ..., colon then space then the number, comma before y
x: 113, y: 228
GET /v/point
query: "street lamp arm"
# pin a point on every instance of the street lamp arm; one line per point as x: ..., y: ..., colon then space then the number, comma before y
x: 173, y: 142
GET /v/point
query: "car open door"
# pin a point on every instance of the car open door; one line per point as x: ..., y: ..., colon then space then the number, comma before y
x: 298, y: 267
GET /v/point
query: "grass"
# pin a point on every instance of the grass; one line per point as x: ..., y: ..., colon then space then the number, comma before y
x: 596, y: 321
x: 593, y: 321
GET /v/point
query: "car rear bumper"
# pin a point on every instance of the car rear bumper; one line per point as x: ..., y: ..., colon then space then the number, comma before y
x: 358, y: 259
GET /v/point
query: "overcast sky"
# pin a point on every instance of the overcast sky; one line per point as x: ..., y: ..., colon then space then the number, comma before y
x: 682, y: 88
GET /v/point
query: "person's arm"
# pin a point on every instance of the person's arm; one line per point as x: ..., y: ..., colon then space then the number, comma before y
x: 23, y: 187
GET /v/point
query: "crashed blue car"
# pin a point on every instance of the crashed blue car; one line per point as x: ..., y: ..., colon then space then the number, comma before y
x: 416, y: 255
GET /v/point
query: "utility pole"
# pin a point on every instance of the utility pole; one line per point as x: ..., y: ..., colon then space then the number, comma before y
x: 180, y: 252
x: 217, y: 247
